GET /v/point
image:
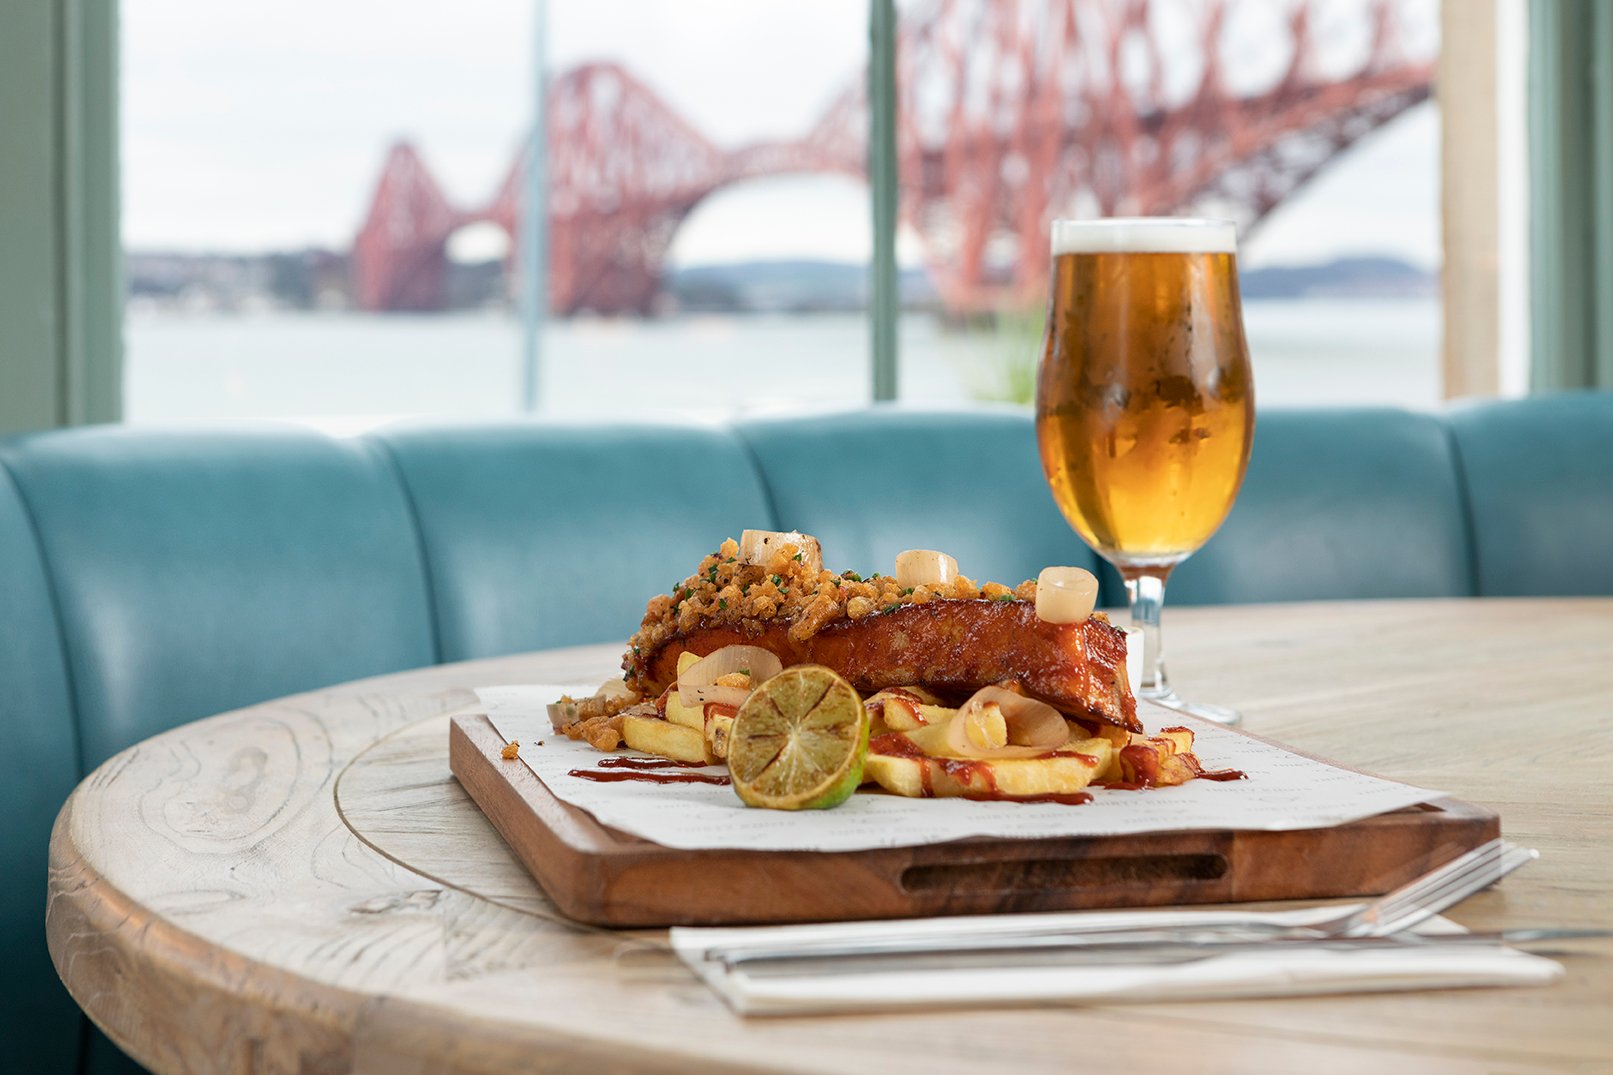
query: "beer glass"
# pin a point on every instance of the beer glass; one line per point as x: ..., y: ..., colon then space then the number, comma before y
x: 1145, y: 403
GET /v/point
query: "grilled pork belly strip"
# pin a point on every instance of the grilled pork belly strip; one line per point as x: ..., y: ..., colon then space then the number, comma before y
x: 951, y: 646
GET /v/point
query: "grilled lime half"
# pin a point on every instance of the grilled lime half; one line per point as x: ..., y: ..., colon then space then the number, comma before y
x: 799, y: 741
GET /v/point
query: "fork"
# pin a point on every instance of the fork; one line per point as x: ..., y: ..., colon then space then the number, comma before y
x: 1425, y: 897
x: 1389, y: 914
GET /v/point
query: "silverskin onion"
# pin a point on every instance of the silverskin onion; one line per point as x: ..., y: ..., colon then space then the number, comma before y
x: 1029, y: 728
x: 925, y: 567
x: 698, y: 683
x: 1066, y: 594
x: 758, y: 547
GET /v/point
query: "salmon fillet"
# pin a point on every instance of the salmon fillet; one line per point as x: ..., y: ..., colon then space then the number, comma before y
x: 952, y: 646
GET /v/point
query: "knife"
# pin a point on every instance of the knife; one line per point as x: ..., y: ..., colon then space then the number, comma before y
x: 1115, y: 949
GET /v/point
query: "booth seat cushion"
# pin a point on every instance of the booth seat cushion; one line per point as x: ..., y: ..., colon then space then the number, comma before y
x: 554, y: 535
x: 200, y: 572
x: 1539, y: 477
x: 1338, y: 503
x: 871, y: 483
x: 38, y: 1021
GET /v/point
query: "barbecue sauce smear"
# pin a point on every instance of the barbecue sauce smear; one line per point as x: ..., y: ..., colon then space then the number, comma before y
x: 621, y: 768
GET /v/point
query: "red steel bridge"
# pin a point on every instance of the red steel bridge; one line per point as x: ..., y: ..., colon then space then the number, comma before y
x: 1010, y: 112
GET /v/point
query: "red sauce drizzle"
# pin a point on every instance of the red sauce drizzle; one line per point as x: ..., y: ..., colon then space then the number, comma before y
x: 1223, y: 774
x: 1143, y: 761
x: 1075, y: 798
x: 908, y: 702
x: 1144, y: 766
x: 895, y: 745
x: 625, y: 762
x: 969, y: 773
x: 618, y: 775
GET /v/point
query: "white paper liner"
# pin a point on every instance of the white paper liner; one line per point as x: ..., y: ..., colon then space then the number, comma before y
x: 1283, y: 791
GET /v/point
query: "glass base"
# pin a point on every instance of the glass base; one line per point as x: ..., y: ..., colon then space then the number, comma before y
x: 1169, y: 699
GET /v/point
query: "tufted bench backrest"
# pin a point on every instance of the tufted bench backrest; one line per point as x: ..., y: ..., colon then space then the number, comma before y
x: 200, y: 572
x: 1539, y: 479
x: 872, y: 483
x: 1340, y: 503
x: 39, y: 1026
x: 546, y: 535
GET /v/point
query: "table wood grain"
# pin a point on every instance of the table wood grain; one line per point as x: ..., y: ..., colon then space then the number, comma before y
x: 301, y: 887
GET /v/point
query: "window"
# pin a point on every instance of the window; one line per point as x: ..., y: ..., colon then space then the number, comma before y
x: 709, y: 224
x: 253, y: 137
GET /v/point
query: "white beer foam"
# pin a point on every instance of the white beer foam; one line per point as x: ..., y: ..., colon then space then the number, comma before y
x: 1144, y: 235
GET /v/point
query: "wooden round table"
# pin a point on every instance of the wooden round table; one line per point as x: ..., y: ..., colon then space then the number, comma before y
x: 214, y: 908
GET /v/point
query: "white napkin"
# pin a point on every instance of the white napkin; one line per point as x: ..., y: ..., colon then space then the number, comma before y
x: 1287, y: 972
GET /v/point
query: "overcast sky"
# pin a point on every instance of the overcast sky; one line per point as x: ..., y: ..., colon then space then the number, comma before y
x: 254, y: 125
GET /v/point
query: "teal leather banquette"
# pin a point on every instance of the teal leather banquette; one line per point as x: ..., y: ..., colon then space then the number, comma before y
x: 151, y: 578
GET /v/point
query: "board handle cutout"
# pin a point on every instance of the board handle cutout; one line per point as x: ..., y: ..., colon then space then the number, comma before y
x: 1042, y: 874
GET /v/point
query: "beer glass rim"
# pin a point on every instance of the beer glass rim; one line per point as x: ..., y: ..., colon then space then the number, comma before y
x: 1144, y: 235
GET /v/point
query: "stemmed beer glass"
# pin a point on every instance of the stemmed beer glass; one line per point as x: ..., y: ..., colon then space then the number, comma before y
x: 1145, y: 404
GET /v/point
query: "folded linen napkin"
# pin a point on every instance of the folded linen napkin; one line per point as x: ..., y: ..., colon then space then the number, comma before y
x: 800, y: 989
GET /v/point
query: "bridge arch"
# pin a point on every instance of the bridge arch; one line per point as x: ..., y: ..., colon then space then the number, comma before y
x: 1013, y: 111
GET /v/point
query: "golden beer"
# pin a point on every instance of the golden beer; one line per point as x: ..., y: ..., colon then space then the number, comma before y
x: 1144, y: 399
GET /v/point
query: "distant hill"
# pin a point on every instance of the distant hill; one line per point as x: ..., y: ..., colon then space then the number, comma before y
x: 786, y: 286
x: 808, y: 286
x: 1352, y: 278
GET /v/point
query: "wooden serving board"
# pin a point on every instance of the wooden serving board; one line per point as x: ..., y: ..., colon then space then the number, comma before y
x: 603, y: 876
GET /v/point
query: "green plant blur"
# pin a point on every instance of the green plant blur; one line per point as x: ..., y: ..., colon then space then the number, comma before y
x: 998, y: 365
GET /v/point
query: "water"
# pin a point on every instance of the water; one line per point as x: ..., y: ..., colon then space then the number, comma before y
x: 347, y: 372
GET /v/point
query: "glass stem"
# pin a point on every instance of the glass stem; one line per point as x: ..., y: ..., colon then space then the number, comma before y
x: 1146, y: 587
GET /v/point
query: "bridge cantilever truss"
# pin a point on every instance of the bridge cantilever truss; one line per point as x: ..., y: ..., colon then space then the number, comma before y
x: 1010, y: 112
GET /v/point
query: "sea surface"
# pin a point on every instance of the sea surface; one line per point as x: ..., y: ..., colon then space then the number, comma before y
x: 347, y: 372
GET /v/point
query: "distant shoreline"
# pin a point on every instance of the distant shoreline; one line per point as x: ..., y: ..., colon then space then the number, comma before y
x: 319, y: 280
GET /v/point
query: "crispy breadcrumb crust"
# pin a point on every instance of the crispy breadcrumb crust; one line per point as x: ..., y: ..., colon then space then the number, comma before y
x: 725, y: 591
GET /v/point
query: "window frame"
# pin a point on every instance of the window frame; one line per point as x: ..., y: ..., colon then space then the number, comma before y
x: 61, y: 282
